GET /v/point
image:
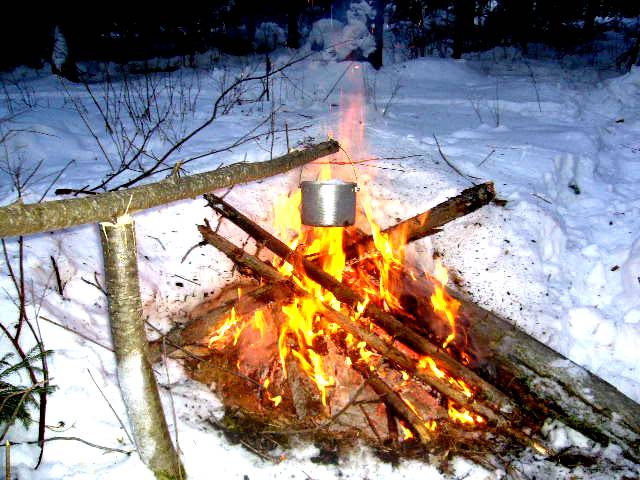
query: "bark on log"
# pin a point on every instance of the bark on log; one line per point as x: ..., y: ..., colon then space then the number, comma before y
x: 510, y: 358
x: 580, y: 399
x: 135, y: 377
x: 21, y: 219
x: 388, y: 351
x: 429, y: 222
x: 487, y: 394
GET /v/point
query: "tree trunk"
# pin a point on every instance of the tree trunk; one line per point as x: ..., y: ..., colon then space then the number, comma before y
x: 463, y: 29
x: 378, y: 32
x: 20, y: 219
x: 293, y: 15
x: 136, y: 379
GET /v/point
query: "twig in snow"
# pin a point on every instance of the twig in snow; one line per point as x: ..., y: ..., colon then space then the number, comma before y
x: 77, y: 439
x: 446, y: 160
x: 111, y: 407
x: 286, y: 134
x: 185, y: 279
x: 191, y: 249
x: 59, y: 174
x: 535, y: 84
x: 487, y: 157
x: 57, y: 274
x: 394, y: 92
x: 542, y: 198
x: 336, y: 83
x: 475, y: 104
x: 18, y: 285
x: 157, y: 240
x: 272, y: 131
x: 75, y: 332
x: 97, y: 285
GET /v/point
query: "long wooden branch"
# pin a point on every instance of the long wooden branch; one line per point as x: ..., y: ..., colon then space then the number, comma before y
x: 21, y: 219
x: 429, y: 222
x: 388, y: 351
x: 487, y: 393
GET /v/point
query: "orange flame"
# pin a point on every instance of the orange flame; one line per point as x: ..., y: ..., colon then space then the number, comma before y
x: 406, y: 433
x: 463, y: 415
x: 259, y: 322
x: 428, y: 363
x: 443, y: 304
x: 219, y: 334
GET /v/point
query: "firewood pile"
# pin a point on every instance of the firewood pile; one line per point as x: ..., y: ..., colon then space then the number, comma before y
x: 336, y: 338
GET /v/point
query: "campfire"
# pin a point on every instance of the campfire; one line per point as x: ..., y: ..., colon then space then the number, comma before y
x: 331, y: 355
x: 336, y: 336
x: 311, y: 357
x: 308, y: 364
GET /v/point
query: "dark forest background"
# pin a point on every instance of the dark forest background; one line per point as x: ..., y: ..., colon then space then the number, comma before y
x: 441, y: 27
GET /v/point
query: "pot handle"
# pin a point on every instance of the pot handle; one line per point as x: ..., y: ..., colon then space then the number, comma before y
x: 353, y: 166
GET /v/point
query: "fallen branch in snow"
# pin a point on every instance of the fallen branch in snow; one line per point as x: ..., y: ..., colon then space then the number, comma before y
x: 487, y: 157
x: 448, y: 162
x: 75, y: 332
x: 21, y: 219
x: 113, y: 410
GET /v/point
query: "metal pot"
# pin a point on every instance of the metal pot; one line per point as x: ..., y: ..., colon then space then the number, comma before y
x: 328, y: 204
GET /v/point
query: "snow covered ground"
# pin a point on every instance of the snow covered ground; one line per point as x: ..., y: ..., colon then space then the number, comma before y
x: 562, y: 259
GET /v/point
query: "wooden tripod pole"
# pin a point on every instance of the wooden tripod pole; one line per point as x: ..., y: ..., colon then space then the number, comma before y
x: 135, y: 376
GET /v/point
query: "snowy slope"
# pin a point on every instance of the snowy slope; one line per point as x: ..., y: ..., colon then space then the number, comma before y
x: 562, y: 260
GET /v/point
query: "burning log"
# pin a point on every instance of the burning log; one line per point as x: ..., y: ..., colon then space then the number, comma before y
x: 446, y: 385
x: 487, y: 394
x: 398, y: 406
x: 429, y: 222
